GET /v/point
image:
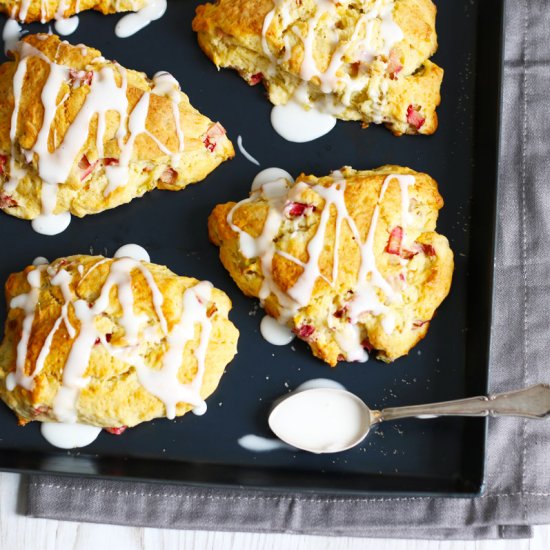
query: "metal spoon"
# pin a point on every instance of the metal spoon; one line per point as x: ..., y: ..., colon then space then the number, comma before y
x: 308, y: 419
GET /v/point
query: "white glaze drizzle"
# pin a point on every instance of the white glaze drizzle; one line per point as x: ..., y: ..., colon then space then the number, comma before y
x: 105, y: 94
x: 372, y: 292
x: 94, y: 266
x: 40, y: 260
x: 10, y: 34
x: 51, y: 224
x: 27, y: 302
x: 69, y: 436
x: 298, y: 124
x: 61, y: 8
x: 16, y: 173
x: 373, y: 36
x: 62, y: 279
x: 268, y: 175
x: 119, y: 174
x: 259, y: 444
x: 381, y: 33
x: 24, y: 8
x: 245, y: 153
x: 315, y: 383
x: 150, y: 10
x: 199, y: 410
x: 65, y: 25
x: 164, y: 84
x: 263, y: 246
x: 134, y: 22
x: 134, y: 251
x: 163, y: 382
x: 274, y: 332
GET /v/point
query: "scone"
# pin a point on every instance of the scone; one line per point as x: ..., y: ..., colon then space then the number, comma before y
x: 111, y: 342
x: 81, y: 134
x: 365, y: 60
x: 31, y: 11
x: 350, y: 261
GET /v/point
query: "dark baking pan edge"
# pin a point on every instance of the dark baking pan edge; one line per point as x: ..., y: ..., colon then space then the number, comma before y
x: 489, y: 61
x: 481, y: 289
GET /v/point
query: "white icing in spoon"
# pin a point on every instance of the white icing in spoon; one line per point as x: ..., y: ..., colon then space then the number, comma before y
x: 11, y: 34
x: 134, y: 22
x: 276, y: 333
x: 268, y: 175
x: 325, y: 420
x: 133, y: 251
x: 69, y: 436
x: 258, y: 444
x: 321, y: 420
x: 299, y: 125
x: 245, y: 153
x: 66, y: 26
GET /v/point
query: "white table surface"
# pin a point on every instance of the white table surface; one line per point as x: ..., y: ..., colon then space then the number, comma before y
x: 18, y: 532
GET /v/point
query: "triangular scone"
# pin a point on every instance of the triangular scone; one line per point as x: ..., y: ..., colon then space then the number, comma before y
x: 350, y: 262
x: 111, y: 342
x: 31, y: 11
x: 365, y: 60
x: 81, y: 134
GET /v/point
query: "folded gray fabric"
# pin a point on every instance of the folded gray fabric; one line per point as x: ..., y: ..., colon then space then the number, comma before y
x: 518, y: 479
x: 159, y: 505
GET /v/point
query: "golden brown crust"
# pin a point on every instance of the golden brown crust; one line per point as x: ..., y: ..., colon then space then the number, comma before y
x: 423, y: 280
x: 114, y: 395
x: 33, y: 11
x: 85, y: 194
x: 230, y: 33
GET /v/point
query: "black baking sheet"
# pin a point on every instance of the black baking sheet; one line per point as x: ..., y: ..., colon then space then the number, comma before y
x: 442, y: 456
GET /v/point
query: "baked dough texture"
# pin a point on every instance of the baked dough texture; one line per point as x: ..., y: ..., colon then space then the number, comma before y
x: 110, y: 134
x: 366, y: 60
x: 35, y: 11
x: 130, y: 351
x: 350, y: 262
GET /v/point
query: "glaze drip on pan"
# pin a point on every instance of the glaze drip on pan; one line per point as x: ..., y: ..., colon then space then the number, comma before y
x: 29, y: 11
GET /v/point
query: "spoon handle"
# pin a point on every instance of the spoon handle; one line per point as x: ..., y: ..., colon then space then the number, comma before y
x: 532, y: 402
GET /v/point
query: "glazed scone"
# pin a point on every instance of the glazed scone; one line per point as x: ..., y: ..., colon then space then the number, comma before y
x: 111, y: 342
x: 350, y: 262
x: 366, y: 60
x: 31, y: 11
x: 81, y: 134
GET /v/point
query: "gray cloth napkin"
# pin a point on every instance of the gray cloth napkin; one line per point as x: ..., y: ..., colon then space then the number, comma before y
x: 518, y: 480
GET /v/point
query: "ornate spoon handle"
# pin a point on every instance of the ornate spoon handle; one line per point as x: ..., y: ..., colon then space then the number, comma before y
x: 532, y: 402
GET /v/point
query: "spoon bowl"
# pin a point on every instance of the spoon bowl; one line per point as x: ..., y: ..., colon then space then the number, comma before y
x: 321, y: 420
x: 331, y: 420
